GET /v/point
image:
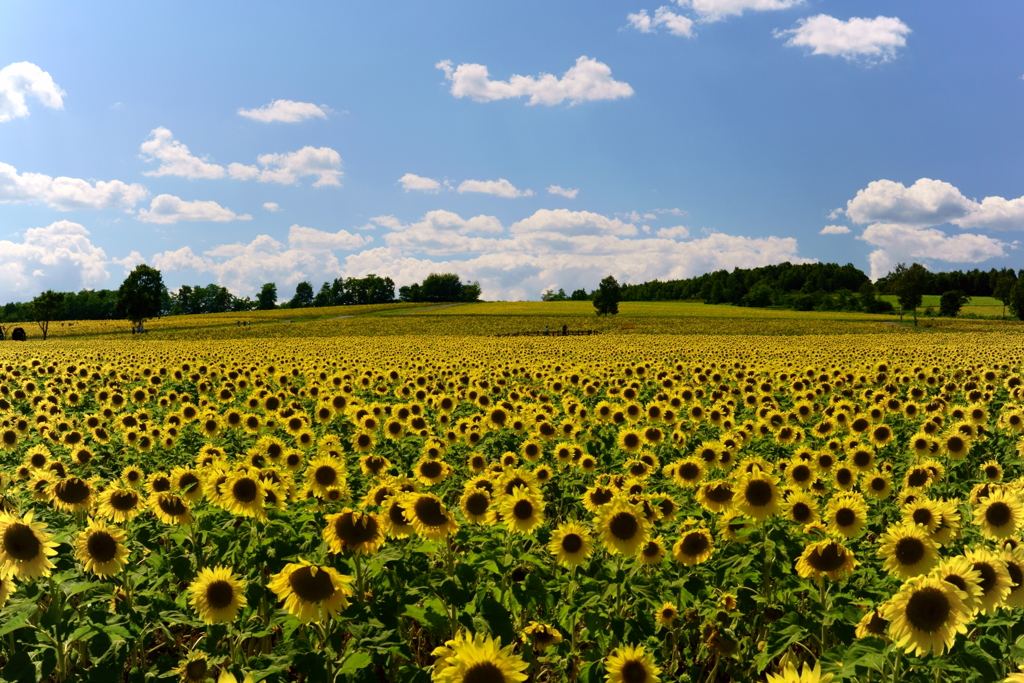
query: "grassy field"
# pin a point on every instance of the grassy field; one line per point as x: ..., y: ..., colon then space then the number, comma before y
x: 976, y: 305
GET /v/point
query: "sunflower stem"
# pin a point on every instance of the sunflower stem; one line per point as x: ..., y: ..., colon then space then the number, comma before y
x: 360, y: 588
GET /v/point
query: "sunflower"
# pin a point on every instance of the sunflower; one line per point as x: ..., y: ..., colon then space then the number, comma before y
x: 570, y: 544
x: 923, y: 512
x: 800, y: 474
x: 543, y: 635
x: 477, y: 659
x: 694, y: 547
x: 324, y: 472
x: 311, y: 592
x: 1000, y: 515
x: 717, y: 495
x: 666, y: 614
x: 195, y: 668
x: 475, y: 504
x: 907, y: 550
x: 25, y: 547
x: 395, y: 523
x: 430, y: 471
x: 630, y: 440
x: 801, y: 508
x: 133, y: 476
x: 846, y: 515
x: 1014, y: 561
x: 428, y: 515
x: 631, y: 664
x: 757, y: 495
x: 244, y: 494
x: 995, y: 580
x: 806, y: 674
x: 960, y: 572
x: 100, y: 547
x: 72, y: 494
x: 925, y: 616
x: 826, y: 558
x: 355, y: 531
x: 872, y: 624
x: 521, y: 511
x: 217, y: 594
x: 186, y: 482
x: 170, y: 508
x: 653, y: 551
x: 597, y: 497
x: 623, y: 527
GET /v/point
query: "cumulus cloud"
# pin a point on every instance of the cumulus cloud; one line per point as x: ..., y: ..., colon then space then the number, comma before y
x: 59, y: 256
x: 569, y: 193
x: 872, y: 40
x: 677, y: 24
x: 588, y: 80
x: 932, y: 202
x: 902, y: 243
x: 175, y: 159
x: 676, y: 233
x: 284, y: 111
x: 411, y: 181
x: 716, y: 10
x: 834, y: 230
x: 499, y: 187
x: 21, y: 80
x: 167, y: 208
x: 286, y: 169
x: 67, y: 194
x: 300, y: 237
x: 271, y: 207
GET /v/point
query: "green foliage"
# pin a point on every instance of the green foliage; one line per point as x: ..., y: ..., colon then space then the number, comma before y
x: 266, y: 300
x: 908, y: 284
x: 141, y: 295
x: 951, y: 302
x: 607, y: 297
x: 47, y: 307
x: 440, y: 288
x: 1015, y: 299
x: 303, y: 297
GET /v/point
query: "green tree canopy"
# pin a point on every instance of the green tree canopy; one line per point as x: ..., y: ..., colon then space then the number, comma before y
x: 607, y: 296
x: 908, y: 284
x: 267, y: 298
x: 303, y: 296
x: 141, y: 295
x: 951, y: 302
x: 47, y: 307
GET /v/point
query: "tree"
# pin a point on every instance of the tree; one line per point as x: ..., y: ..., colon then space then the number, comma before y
x: 550, y: 294
x: 951, y: 302
x: 471, y: 292
x: 46, y: 307
x: 441, y: 287
x: 607, y: 296
x: 579, y: 295
x: 324, y: 296
x: 303, y: 296
x: 1001, y: 292
x: 267, y: 298
x: 141, y: 295
x: 1015, y: 299
x: 908, y: 285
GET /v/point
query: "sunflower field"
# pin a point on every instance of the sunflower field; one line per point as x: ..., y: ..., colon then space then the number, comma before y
x: 630, y: 508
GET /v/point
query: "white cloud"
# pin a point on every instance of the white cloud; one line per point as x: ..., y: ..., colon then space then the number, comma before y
x: 901, y: 243
x: 300, y: 237
x: 167, y: 208
x: 175, y: 159
x: 716, y: 10
x: 567, y: 222
x: 130, y: 261
x: 67, y: 194
x: 24, y: 79
x: 180, y: 259
x: 932, y: 202
x: 286, y: 169
x: 834, y: 230
x: 637, y: 217
x: 563, y: 191
x: 271, y: 207
x: 284, y: 111
x: 59, y: 256
x: 411, y: 181
x: 677, y: 24
x: 588, y: 80
x: 677, y: 233
x: 499, y: 187
x: 873, y: 40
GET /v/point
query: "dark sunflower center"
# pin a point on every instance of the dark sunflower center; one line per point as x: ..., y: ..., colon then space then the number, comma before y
x: 801, y: 473
x: 801, y: 512
x: 825, y: 461
x: 844, y: 477
x: 719, y: 494
x: 922, y: 516
x: 909, y: 551
x: 429, y: 511
x: 484, y: 672
x: 631, y: 440
x: 758, y: 493
x: 955, y: 444
x: 396, y: 516
x: 689, y: 470
x: 431, y: 469
x: 325, y: 475
x: 861, y: 458
x: 572, y: 543
x: 161, y: 484
x: 20, y: 542
x: 652, y: 549
x: 72, y: 491
x: 188, y: 482
x: 356, y: 532
x: 928, y: 609
x: 878, y: 484
x: 244, y: 490
x: 1016, y: 576
x: 957, y: 581
x: 828, y: 559
x: 311, y: 587
x: 122, y: 501
x: 877, y: 625
x: 634, y: 672
x: 694, y: 544
x: 624, y: 526
x: 917, y: 478
x: 477, y: 504
x: 992, y: 472
x: 523, y: 509
x: 196, y: 670
x: 219, y: 594
x: 845, y: 517
x: 102, y: 546
x: 172, y: 506
x: 998, y: 514
x: 988, y: 576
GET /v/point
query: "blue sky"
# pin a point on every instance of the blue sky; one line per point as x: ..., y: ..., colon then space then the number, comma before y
x: 697, y: 135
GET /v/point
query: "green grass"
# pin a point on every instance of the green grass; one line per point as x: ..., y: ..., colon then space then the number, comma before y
x: 933, y: 300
